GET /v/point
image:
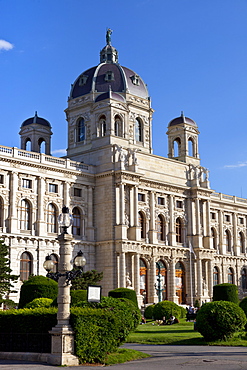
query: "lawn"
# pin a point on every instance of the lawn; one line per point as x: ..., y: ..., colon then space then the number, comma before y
x: 182, y: 333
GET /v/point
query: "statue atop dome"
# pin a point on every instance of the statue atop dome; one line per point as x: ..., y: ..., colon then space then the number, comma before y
x: 108, y: 36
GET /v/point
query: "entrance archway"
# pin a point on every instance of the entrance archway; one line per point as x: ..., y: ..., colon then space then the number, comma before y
x: 180, y: 282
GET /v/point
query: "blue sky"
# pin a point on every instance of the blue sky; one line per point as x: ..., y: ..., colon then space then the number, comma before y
x: 191, y: 53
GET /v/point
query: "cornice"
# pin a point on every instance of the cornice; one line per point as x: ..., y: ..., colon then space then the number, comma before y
x: 45, y: 168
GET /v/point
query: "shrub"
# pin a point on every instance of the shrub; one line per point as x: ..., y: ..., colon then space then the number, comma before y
x: 96, y: 333
x: 77, y: 296
x: 220, y: 320
x: 124, y: 293
x: 37, y: 287
x: 39, y: 302
x: 225, y: 292
x: 149, y: 311
x: 166, y: 308
x: 243, y: 305
x: 126, y: 312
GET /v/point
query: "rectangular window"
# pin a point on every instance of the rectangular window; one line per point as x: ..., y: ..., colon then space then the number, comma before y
x: 1, y: 179
x: 227, y: 218
x: 53, y: 188
x: 161, y: 201
x: 141, y: 197
x: 241, y: 220
x: 213, y: 215
x: 26, y: 183
x: 179, y: 204
x: 77, y: 192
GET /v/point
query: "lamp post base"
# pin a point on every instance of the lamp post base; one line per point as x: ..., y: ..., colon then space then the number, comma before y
x: 62, y: 347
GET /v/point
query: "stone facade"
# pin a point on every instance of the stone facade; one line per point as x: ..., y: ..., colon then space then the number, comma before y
x: 136, y: 215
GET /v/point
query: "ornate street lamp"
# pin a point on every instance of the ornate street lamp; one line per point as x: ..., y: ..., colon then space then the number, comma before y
x: 79, y: 262
x: 62, y: 351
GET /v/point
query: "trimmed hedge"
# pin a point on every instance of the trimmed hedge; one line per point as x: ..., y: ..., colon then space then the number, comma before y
x: 37, y: 287
x: 96, y: 333
x: 38, y: 320
x: 77, y: 296
x: 243, y: 305
x: 220, y: 320
x: 129, y: 316
x: 149, y: 312
x: 124, y: 293
x: 99, y: 329
x: 225, y: 292
x: 166, y: 309
x: 39, y: 302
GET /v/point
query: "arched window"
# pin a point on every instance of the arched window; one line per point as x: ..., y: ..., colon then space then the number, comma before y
x: 244, y: 279
x: 118, y: 126
x: 81, y: 130
x: 213, y: 238
x: 179, y: 230
x: 191, y: 147
x: 138, y: 130
x: 142, y: 224
x: 25, y: 215
x: 143, y: 279
x: 102, y: 126
x: 228, y: 241
x: 241, y: 242
x: 26, y: 266
x: 28, y: 144
x: 176, y: 147
x: 54, y: 258
x: 230, y: 276
x: 51, y: 218
x: 216, y: 276
x: 76, y: 228
x: 42, y: 145
x: 160, y: 228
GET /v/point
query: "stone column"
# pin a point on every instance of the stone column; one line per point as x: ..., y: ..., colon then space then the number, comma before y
x: 210, y: 279
x: 13, y: 217
x: 122, y: 271
x: 117, y: 205
x: 122, y: 204
x: 153, y: 298
x: 62, y: 348
x: 118, y: 270
x: 172, y: 289
x: 221, y: 248
x: 90, y: 227
x: 236, y: 248
x: 152, y: 229
x: 41, y: 224
x: 66, y: 196
x: 199, y: 278
x: 172, y: 234
x: 197, y: 203
x: 137, y: 279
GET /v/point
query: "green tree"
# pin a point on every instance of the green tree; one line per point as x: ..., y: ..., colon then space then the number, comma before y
x: 6, y: 278
x: 85, y: 279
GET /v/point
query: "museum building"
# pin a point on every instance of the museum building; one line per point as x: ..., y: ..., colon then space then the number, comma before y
x: 150, y: 223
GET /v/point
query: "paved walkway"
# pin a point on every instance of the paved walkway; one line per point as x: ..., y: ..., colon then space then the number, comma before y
x: 163, y: 357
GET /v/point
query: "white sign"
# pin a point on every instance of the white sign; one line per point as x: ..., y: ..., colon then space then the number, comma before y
x: 93, y: 293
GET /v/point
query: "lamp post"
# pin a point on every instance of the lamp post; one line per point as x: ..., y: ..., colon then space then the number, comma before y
x: 62, y: 351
